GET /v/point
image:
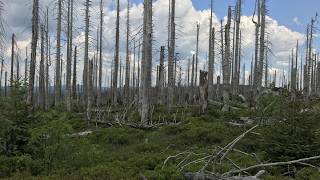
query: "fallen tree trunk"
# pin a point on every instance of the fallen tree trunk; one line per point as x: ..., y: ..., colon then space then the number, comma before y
x: 271, y: 164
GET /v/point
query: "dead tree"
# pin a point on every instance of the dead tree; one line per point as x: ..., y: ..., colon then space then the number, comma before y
x: 12, y: 59
x: 25, y: 67
x: 5, y: 83
x: 1, y: 73
x: 203, y: 88
x: 86, y: 53
x: 161, y: 74
x: 211, y: 54
x: 236, y: 68
x: 262, y: 42
x: 226, y: 64
x: 127, y: 78
x: 197, y: 54
x: 58, y: 56
x: 74, y: 76
x: 171, y: 50
x: 256, y: 52
x: 42, y: 100
x: 100, y: 51
x: 34, y: 42
x: 48, y: 61
x: 116, y: 57
x: 69, y: 54
x: 146, y: 64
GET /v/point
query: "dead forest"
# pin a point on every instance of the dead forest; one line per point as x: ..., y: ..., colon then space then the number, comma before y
x: 68, y: 111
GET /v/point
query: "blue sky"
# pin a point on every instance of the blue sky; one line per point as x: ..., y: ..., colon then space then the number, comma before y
x: 284, y: 11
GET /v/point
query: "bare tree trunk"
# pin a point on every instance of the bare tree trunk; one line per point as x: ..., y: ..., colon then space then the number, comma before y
x: 69, y: 54
x: 171, y: 54
x: 236, y: 68
x: 5, y: 83
x: 74, y: 76
x: 42, y: 73
x: 90, y: 89
x: 12, y: 59
x: 262, y: 43
x: 86, y: 54
x: 203, y: 88
x: 1, y: 73
x: 58, y: 56
x: 161, y: 75
x: 47, y: 85
x: 211, y: 54
x: 146, y: 64
x: 116, y: 57
x: 34, y: 42
x: 100, y: 52
x: 25, y: 67
x: 256, y: 55
x: 197, y: 55
x: 226, y: 64
x: 127, y: 78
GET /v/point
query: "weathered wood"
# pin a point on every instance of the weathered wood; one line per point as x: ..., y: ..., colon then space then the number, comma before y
x: 34, y: 43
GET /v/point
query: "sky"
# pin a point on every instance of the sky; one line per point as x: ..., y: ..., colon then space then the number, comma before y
x: 284, y: 28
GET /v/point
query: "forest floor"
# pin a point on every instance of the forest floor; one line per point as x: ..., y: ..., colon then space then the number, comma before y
x: 55, y: 148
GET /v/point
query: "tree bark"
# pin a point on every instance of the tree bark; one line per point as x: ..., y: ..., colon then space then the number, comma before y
x: 34, y: 42
x: 171, y: 55
x: 86, y: 54
x: 116, y: 57
x: 58, y: 56
x: 42, y: 99
x: 146, y: 64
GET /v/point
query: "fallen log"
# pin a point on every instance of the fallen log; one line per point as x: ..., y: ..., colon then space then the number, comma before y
x: 271, y: 164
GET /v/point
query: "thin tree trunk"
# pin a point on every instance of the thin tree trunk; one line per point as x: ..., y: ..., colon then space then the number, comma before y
x: 86, y: 55
x: 262, y: 42
x: 211, y: 54
x: 116, y: 57
x: 69, y: 54
x: 100, y: 52
x: 12, y: 59
x: 58, y: 56
x: 236, y: 69
x: 127, y: 78
x: 74, y: 80
x: 171, y: 54
x: 47, y: 85
x: 256, y: 56
x: 42, y: 72
x: 34, y: 42
x: 197, y: 54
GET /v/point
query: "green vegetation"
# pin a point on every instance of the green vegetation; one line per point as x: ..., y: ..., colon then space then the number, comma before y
x: 43, y: 145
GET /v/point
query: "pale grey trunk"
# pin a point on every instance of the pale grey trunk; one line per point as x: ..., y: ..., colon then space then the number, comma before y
x: 74, y: 76
x: 127, y: 77
x: 47, y: 85
x: 146, y: 64
x: 58, y: 56
x: 256, y: 52
x: 34, y: 42
x: 116, y: 57
x: 12, y: 60
x: 42, y: 99
x: 171, y: 55
x: 197, y: 54
x: 211, y: 54
x: 236, y: 68
x: 100, y: 52
x: 262, y: 42
x: 69, y: 54
x: 203, y: 89
x: 86, y: 54
x: 161, y: 75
